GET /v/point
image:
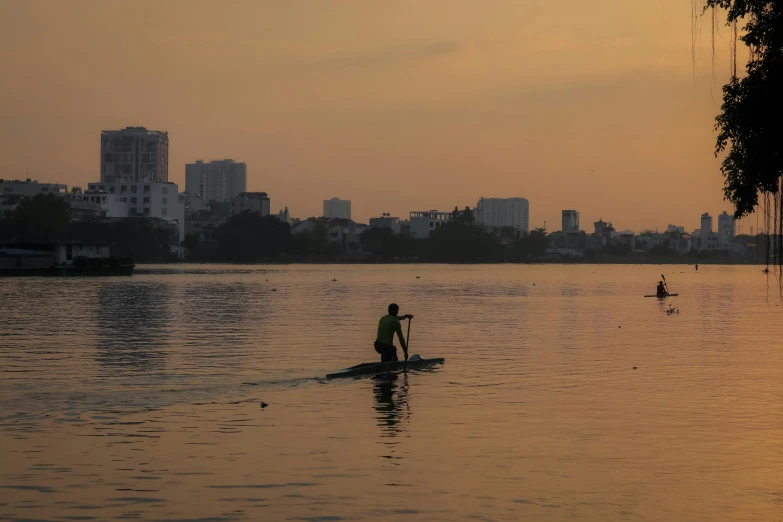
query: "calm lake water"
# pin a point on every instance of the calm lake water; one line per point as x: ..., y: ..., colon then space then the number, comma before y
x: 139, y: 398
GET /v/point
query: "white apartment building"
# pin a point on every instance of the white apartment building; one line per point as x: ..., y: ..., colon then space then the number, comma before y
x: 216, y: 180
x: 504, y: 212
x: 424, y: 223
x: 143, y: 198
x: 570, y: 221
x: 337, y: 208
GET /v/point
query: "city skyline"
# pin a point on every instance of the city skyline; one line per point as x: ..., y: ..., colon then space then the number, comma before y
x: 405, y: 118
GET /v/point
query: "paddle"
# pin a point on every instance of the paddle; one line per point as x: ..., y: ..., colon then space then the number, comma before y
x: 408, y: 345
x: 665, y: 284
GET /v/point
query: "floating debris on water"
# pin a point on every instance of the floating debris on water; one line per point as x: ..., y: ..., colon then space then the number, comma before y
x: 264, y: 405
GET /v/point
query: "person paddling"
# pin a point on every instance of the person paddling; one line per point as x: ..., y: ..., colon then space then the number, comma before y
x: 387, y: 327
x: 661, y: 290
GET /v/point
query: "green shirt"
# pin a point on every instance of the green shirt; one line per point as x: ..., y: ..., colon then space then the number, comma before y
x: 386, y: 328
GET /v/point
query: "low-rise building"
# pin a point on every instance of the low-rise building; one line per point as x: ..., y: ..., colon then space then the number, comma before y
x: 387, y: 221
x: 202, y: 226
x: 424, y: 223
x: 257, y: 202
x: 29, y: 187
x: 628, y: 239
x: 675, y: 229
x: 194, y: 203
x: 82, y: 210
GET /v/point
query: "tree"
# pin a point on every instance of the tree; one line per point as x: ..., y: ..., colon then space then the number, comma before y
x: 44, y: 218
x: 458, y: 241
x: 533, y: 244
x: 385, y: 245
x: 462, y: 216
x: 76, y: 190
x: 749, y: 129
x: 250, y: 238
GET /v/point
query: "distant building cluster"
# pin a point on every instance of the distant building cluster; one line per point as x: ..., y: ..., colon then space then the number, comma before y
x: 134, y: 182
x: 570, y: 241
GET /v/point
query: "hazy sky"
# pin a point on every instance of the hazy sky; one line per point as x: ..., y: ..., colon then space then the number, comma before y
x: 397, y: 105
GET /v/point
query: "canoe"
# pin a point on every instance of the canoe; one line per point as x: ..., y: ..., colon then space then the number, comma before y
x: 384, y: 367
x: 662, y: 296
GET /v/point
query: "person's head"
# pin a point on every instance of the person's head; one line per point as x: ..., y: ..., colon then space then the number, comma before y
x: 393, y: 309
x: 660, y: 282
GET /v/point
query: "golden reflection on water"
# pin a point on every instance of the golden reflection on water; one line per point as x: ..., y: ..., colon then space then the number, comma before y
x: 140, y: 398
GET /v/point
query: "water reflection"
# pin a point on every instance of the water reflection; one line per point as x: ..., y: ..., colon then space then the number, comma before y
x: 132, y: 325
x: 210, y: 304
x: 391, y: 403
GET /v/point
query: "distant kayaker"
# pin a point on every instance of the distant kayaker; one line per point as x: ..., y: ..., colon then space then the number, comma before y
x: 387, y: 327
x: 661, y: 290
x: 697, y: 268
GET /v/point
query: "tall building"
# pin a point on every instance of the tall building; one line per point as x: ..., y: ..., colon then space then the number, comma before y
x: 570, y: 221
x: 337, y: 208
x: 424, y: 223
x: 727, y: 228
x: 504, y: 212
x: 217, y: 181
x: 706, y: 224
x: 134, y: 154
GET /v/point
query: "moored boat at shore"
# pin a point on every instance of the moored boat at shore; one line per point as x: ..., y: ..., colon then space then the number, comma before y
x: 61, y: 259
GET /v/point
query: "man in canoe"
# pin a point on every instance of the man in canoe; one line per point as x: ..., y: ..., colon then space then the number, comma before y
x: 661, y: 290
x: 387, y: 327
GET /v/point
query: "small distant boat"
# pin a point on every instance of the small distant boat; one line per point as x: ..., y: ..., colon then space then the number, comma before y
x: 385, y: 367
x: 662, y: 296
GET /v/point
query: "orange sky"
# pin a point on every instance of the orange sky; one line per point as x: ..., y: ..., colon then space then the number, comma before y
x: 398, y: 106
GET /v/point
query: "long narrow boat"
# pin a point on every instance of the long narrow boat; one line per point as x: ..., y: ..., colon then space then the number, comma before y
x: 662, y: 296
x: 384, y: 367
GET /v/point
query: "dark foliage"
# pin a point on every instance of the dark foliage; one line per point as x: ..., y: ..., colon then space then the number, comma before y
x: 46, y: 219
x: 250, y: 238
x: 749, y: 124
